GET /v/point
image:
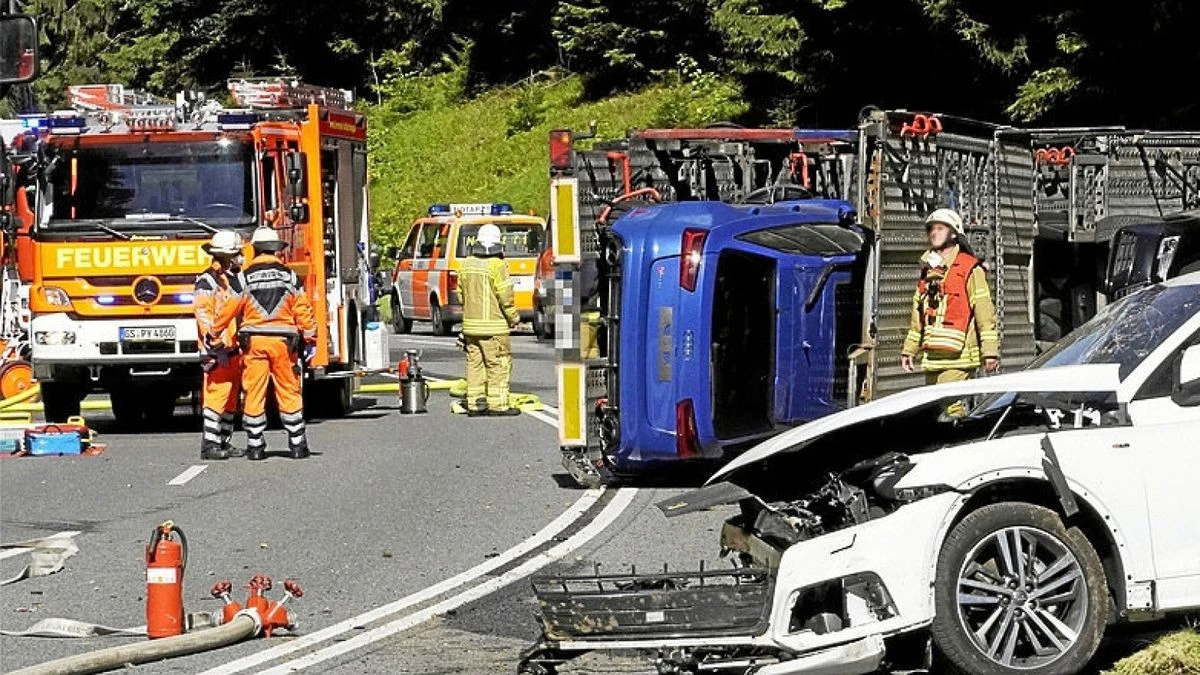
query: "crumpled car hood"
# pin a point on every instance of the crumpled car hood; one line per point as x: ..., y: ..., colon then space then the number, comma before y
x: 1100, y: 377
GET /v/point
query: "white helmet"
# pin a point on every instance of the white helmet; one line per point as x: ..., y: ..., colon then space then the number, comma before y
x: 489, y: 235
x: 225, y: 243
x: 947, y: 217
x: 267, y: 239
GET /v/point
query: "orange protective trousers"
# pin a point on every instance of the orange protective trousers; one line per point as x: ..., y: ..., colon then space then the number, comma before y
x: 222, y: 389
x: 268, y: 358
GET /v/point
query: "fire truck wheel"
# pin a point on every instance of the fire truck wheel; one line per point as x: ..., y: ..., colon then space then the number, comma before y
x: 159, y: 406
x: 440, y: 327
x: 60, y: 401
x: 126, y: 408
x: 329, y: 398
x: 400, y: 324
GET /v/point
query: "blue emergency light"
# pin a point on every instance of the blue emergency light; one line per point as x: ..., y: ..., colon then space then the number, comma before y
x: 238, y: 120
x: 185, y: 298
x: 105, y: 300
x: 496, y: 209
x: 68, y: 123
x: 33, y: 121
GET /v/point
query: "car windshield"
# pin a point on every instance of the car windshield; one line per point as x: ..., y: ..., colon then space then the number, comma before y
x: 154, y: 184
x: 520, y: 240
x: 1123, y: 333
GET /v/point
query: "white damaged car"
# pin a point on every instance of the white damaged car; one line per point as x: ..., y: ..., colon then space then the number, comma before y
x: 885, y: 536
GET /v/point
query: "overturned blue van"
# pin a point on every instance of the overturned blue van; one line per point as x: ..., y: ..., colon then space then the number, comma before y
x: 733, y: 322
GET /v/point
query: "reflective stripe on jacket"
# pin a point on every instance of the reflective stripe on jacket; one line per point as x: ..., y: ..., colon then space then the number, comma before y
x: 953, y: 318
x: 272, y: 301
x: 487, y: 295
x: 213, y: 289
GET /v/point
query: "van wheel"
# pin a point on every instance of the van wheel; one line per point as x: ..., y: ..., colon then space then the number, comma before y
x: 435, y: 316
x: 541, y: 326
x: 59, y: 401
x: 399, y: 323
x: 1018, y: 592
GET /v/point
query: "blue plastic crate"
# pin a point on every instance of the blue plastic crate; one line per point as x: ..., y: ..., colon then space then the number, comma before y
x: 52, y: 441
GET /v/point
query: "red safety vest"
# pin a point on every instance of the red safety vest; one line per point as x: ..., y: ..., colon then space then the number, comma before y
x: 947, y: 309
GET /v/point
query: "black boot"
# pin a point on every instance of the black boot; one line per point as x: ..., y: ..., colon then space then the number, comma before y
x: 300, y: 452
x: 213, y: 452
x: 256, y: 454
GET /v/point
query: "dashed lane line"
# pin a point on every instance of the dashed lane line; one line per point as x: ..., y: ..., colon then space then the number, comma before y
x: 611, y: 512
x: 188, y: 474
x: 565, y: 519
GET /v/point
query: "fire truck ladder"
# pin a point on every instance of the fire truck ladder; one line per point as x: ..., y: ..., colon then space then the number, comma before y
x: 282, y: 92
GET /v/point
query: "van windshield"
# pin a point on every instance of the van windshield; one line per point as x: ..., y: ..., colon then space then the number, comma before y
x: 520, y: 240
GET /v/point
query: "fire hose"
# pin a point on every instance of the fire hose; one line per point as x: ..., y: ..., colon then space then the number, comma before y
x: 245, y: 624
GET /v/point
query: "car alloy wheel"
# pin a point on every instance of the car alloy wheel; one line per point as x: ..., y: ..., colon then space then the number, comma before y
x: 1018, y: 592
x: 1022, y: 597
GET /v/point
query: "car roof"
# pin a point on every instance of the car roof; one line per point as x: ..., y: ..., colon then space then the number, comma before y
x: 713, y: 214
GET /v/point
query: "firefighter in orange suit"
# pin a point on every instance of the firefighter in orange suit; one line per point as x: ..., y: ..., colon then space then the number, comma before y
x: 953, y: 325
x: 222, y: 363
x: 276, y: 327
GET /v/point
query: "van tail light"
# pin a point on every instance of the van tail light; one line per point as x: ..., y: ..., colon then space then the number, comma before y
x: 452, y: 280
x: 560, y: 149
x: 691, y: 251
x: 687, y: 437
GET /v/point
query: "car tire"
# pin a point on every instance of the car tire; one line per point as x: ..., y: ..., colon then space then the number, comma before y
x: 541, y: 327
x: 981, y: 564
x: 60, y: 402
x: 440, y: 327
x: 400, y: 325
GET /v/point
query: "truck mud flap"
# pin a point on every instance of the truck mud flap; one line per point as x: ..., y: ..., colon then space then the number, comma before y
x: 669, y: 605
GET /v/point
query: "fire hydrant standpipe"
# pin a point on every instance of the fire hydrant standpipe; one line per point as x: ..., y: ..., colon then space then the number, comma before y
x: 243, y: 626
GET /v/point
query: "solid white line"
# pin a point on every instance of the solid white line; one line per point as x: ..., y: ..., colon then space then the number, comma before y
x: 550, y: 409
x: 560, y: 523
x: 188, y: 474
x: 544, y: 418
x: 13, y: 552
x: 606, y: 517
x: 434, y: 343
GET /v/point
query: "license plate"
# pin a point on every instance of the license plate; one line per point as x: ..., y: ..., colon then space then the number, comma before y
x: 522, y: 283
x: 148, y: 333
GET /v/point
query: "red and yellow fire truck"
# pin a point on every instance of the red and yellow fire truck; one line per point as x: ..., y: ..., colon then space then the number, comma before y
x: 129, y: 191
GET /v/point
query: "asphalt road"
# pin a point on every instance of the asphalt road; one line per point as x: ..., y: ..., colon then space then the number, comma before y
x: 413, y: 537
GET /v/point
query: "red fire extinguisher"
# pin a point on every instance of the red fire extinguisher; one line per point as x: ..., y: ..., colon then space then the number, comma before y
x: 165, y: 561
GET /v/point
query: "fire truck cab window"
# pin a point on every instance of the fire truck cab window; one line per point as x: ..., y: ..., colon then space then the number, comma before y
x: 155, y: 182
x: 270, y: 187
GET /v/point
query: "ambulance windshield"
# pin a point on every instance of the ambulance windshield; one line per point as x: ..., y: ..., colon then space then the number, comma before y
x: 520, y: 240
x: 155, y: 185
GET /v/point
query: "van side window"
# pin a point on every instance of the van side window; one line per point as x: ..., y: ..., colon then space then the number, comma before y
x: 410, y: 244
x: 443, y: 238
x: 428, y: 236
x: 1159, y: 384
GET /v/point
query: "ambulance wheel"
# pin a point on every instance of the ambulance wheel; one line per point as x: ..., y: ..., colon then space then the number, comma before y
x: 400, y: 325
x: 59, y: 401
x: 440, y: 327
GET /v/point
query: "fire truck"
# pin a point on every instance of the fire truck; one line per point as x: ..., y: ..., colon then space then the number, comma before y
x: 130, y: 188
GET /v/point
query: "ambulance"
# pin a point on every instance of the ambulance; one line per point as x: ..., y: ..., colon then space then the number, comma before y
x: 425, y: 280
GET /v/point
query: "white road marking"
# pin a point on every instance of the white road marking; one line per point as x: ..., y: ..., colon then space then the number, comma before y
x: 544, y: 418
x: 606, y: 517
x: 188, y: 474
x: 13, y: 552
x: 550, y: 409
x: 435, y: 343
x: 573, y: 513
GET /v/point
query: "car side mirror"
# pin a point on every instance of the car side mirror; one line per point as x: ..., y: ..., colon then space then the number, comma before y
x: 19, y: 43
x: 1186, y: 389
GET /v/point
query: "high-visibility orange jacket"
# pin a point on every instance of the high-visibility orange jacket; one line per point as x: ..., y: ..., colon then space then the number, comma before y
x: 953, y: 318
x: 214, y: 287
x: 272, y: 301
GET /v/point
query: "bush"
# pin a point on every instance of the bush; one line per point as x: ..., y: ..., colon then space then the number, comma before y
x: 1174, y: 654
x: 438, y: 147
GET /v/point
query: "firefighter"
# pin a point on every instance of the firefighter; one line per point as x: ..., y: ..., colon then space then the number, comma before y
x: 488, y: 315
x: 221, y: 362
x: 953, y: 325
x: 276, y: 326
